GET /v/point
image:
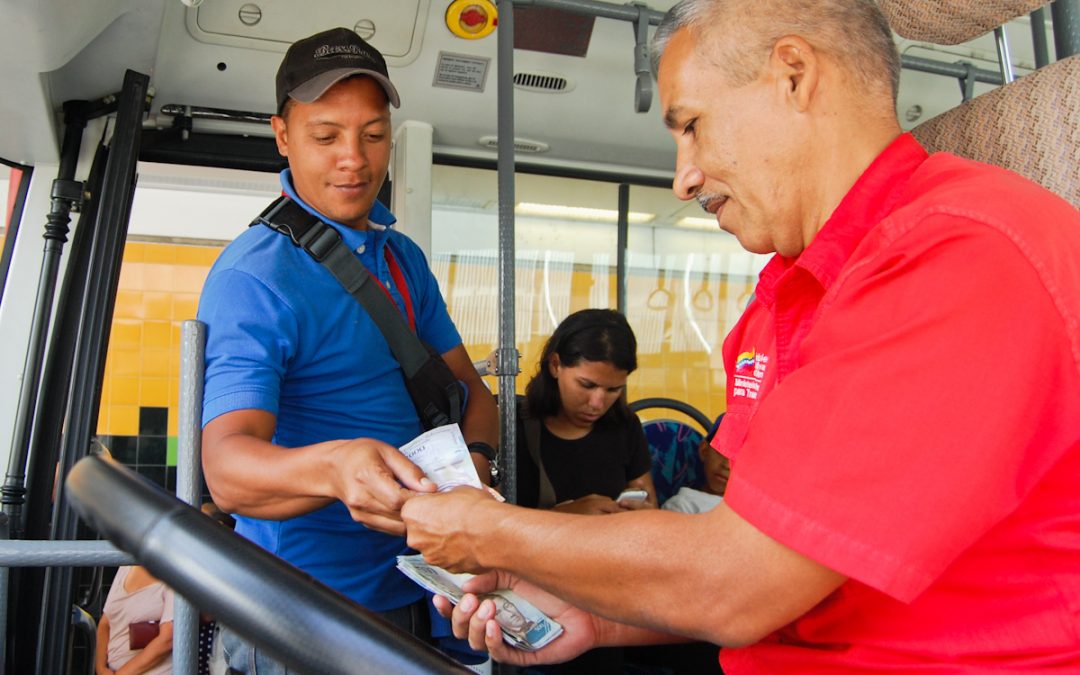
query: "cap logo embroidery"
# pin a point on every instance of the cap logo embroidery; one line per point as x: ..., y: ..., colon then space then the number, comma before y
x: 329, y: 51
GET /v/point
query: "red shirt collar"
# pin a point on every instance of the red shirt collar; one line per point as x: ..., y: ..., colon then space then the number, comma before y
x: 868, y: 202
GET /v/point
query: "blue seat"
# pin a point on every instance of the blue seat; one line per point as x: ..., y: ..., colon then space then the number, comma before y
x: 674, y: 446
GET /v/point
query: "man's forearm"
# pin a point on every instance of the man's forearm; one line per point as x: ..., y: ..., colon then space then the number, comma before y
x: 711, y: 576
x: 256, y: 478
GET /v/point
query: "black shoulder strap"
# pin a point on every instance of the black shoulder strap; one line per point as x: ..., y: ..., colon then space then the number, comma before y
x: 324, y: 244
x: 546, y: 498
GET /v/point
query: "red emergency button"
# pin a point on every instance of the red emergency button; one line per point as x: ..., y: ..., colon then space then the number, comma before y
x: 472, y: 19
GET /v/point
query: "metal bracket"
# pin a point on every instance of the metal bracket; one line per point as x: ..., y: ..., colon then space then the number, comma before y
x: 967, y: 82
x: 489, y: 365
x: 642, y: 65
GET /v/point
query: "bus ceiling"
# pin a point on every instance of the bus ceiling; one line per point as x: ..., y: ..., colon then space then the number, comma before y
x: 570, y: 57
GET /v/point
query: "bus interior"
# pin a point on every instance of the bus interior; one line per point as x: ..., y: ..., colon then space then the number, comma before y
x: 531, y: 165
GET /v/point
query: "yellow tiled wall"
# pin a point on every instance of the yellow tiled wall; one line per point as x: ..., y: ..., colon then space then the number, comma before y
x: 678, y: 355
x: 159, y: 288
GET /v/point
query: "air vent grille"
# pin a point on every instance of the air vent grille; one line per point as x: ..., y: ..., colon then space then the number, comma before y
x: 520, y: 144
x: 542, y: 82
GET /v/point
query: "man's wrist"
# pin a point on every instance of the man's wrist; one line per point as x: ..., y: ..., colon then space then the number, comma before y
x: 490, y: 454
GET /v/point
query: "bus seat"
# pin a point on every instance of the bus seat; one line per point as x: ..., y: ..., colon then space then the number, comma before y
x: 950, y: 23
x: 1021, y: 126
x: 1026, y: 126
x: 673, y: 445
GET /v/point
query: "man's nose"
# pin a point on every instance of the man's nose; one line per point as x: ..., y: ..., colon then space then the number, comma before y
x: 688, y: 180
x: 354, y: 154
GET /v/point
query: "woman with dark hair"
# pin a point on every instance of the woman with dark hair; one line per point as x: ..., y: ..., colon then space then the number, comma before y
x: 579, y: 445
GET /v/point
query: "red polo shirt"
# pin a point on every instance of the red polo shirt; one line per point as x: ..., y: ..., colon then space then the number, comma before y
x: 904, y: 408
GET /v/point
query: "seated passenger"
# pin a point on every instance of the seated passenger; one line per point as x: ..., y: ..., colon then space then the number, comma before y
x: 579, y: 445
x: 126, y: 640
x: 711, y: 493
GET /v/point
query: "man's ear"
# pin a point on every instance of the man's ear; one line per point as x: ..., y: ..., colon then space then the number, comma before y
x: 798, y: 70
x: 281, y: 136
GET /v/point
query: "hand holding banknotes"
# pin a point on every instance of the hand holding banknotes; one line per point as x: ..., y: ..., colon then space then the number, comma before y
x: 438, y: 525
x: 477, y: 619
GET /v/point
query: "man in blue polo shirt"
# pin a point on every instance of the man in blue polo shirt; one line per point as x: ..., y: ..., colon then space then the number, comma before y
x: 305, y: 406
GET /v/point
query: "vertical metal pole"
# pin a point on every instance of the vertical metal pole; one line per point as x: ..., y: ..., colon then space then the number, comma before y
x: 1066, y: 15
x: 507, y: 359
x: 1038, y: 37
x: 66, y: 193
x: 114, y: 208
x: 1004, y: 59
x: 189, y: 480
x: 620, y: 259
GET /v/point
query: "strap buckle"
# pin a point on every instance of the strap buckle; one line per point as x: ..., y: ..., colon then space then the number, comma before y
x: 303, y: 229
x: 319, y: 241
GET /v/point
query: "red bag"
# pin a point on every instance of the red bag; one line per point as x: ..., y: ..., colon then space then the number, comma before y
x: 140, y: 633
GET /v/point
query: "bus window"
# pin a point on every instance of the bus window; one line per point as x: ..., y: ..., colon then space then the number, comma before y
x: 687, y: 281
x: 13, y: 182
x: 181, y: 219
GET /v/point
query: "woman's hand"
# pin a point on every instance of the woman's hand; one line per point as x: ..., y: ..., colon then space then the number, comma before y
x: 636, y: 505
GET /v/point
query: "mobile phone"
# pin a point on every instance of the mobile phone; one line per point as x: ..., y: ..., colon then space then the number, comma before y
x: 636, y: 495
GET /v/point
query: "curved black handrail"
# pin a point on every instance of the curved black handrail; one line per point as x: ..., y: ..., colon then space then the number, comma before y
x: 673, y: 404
x: 298, y: 620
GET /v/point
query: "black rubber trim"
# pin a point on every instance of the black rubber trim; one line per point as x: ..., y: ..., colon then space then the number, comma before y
x: 298, y: 620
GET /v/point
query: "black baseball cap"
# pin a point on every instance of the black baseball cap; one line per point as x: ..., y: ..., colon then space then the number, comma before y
x: 316, y: 63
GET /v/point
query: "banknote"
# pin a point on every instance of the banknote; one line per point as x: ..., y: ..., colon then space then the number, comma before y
x: 443, y: 455
x: 523, y: 625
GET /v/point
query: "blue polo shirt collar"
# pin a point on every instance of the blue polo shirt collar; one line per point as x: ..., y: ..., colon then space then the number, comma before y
x: 379, y: 218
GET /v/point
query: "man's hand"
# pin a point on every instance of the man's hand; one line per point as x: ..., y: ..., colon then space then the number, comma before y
x: 439, y: 526
x: 474, y: 619
x: 373, y: 479
x: 368, y: 479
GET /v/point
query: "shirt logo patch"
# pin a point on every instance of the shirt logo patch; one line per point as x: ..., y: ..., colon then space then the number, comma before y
x: 745, y: 360
x: 749, y: 372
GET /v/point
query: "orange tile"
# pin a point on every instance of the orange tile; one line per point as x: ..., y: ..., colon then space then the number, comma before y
x: 155, y: 363
x: 124, y: 362
x: 157, y: 334
x: 189, y: 279
x: 203, y: 256
x: 160, y: 277
x: 129, y: 305
x: 160, y: 253
x: 126, y: 333
x: 157, y: 305
x: 124, y: 391
x: 154, y: 391
x: 123, y: 420
x: 185, y: 306
x: 132, y: 276
x: 134, y: 252
x: 173, y: 423
x: 174, y: 390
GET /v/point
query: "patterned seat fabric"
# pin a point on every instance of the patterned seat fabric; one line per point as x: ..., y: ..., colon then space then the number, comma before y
x: 674, y: 449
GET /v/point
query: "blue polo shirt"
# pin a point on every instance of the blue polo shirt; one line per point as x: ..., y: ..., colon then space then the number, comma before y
x: 285, y: 337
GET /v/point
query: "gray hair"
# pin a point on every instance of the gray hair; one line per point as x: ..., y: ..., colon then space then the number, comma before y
x: 853, y: 32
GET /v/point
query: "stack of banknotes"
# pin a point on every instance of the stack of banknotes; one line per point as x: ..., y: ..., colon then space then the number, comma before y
x: 523, y: 625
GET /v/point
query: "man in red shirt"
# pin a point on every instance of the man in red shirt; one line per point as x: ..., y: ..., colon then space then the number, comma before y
x: 903, y: 414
